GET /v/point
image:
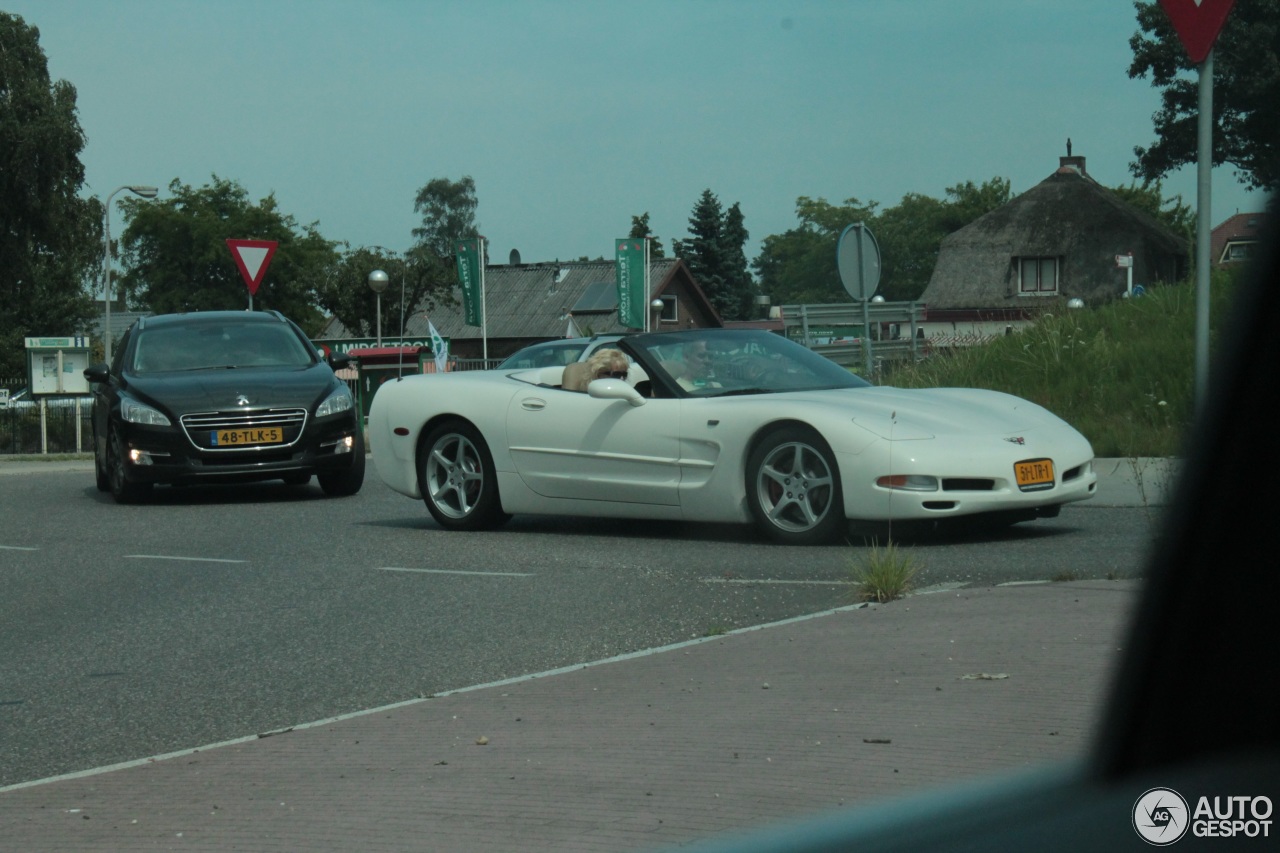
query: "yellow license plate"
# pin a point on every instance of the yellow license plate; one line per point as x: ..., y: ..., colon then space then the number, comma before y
x: 1032, y: 474
x: 245, y: 437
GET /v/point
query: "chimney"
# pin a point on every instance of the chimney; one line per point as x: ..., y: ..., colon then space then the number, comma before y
x: 1076, y: 164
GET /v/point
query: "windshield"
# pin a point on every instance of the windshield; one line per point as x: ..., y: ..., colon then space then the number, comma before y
x: 222, y: 345
x: 716, y: 363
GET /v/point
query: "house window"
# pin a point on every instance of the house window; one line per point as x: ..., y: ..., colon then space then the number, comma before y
x: 1238, y: 252
x: 1037, y: 276
x: 670, y: 312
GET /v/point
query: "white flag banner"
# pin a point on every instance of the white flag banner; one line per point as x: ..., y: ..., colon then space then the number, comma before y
x: 572, y: 330
x: 439, y: 347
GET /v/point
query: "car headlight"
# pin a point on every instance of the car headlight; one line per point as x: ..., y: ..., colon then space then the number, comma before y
x: 338, y: 401
x: 136, y: 413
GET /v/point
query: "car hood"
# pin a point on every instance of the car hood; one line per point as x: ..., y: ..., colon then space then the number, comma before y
x: 900, y: 414
x: 215, y: 390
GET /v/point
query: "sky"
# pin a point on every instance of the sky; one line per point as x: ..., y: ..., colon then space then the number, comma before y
x: 574, y: 116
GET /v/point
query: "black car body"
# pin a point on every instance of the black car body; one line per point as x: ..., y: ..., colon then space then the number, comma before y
x: 222, y: 396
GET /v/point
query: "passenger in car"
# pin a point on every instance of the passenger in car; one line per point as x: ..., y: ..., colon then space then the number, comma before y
x: 603, y: 363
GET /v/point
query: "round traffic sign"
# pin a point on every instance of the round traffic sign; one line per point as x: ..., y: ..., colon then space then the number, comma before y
x: 858, y: 259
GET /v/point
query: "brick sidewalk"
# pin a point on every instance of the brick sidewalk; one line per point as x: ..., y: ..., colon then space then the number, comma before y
x: 646, y: 751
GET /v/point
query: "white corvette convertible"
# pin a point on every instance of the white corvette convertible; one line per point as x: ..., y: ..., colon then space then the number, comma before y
x: 721, y: 425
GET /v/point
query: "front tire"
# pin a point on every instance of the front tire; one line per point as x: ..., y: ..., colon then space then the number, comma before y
x: 342, y: 484
x: 123, y: 489
x: 793, y: 488
x: 457, y: 479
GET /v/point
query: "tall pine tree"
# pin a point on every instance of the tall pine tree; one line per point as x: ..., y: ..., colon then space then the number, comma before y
x: 715, y: 256
x: 738, y: 283
x: 640, y: 230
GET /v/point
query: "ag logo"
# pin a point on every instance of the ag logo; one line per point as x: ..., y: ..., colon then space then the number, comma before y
x: 1160, y: 816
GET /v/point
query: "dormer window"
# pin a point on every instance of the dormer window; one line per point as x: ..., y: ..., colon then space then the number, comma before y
x: 1037, y: 276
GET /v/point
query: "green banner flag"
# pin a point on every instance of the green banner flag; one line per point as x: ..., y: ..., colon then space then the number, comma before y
x: 631, y: 282
x: 469, y: 279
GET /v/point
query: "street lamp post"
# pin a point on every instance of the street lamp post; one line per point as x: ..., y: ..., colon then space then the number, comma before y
x: 404, y: 262
x: 377, y: 283
x: 145, y: 192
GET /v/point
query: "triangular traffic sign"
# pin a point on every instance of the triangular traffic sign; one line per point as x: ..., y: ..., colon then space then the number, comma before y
x: 1198, y: 23
x: 252, y: 257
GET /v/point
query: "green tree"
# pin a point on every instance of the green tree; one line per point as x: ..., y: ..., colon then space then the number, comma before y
x: 799, y: 265
x: 177, y: 259
x: 740, y: 288
x: 911, y: 232
x: 640, y: 230
x: 715, y: 256
x: 909, y: 235
x: 50, y: 238
x: 448, y: 211
x: 344, y: 289
x: 1171, y: 212
x: 701, y: 252
x: 1246, y: 89
x: 967, y: 201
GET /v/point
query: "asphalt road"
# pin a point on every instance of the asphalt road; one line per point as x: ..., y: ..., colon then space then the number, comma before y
x: 215, y: 613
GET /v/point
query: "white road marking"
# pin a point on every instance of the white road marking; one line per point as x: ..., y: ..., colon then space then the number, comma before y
x: 456, y: 572
x: 16, y: 548
x: 771, y: 580
x: 182, y: 559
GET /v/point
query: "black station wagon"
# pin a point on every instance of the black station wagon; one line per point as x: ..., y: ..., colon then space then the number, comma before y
x: 222, y: 396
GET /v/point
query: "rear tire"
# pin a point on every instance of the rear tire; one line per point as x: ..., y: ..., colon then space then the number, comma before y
x: 100, y: 474
x: 793, y: 488
x: 457, y: 479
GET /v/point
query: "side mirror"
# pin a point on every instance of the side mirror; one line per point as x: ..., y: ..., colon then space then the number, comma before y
x: 614, y: 389
x: 97, y: 373
x: 338, y: 360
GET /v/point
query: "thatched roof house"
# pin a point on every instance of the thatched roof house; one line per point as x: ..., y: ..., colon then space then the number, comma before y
x: 1061, y: 239
x: 527, y: 303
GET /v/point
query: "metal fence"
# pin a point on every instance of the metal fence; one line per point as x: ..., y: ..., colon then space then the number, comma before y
x: 49, y: 426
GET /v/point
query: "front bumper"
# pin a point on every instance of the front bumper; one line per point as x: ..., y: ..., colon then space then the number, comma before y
x: 166, y: 455
x: 985, y: 489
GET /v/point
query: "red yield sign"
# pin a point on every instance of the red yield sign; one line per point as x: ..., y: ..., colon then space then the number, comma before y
x: 252, y: 257
x: 1198, y: 23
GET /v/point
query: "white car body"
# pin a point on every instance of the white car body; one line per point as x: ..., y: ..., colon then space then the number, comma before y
x: 614, y: 452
